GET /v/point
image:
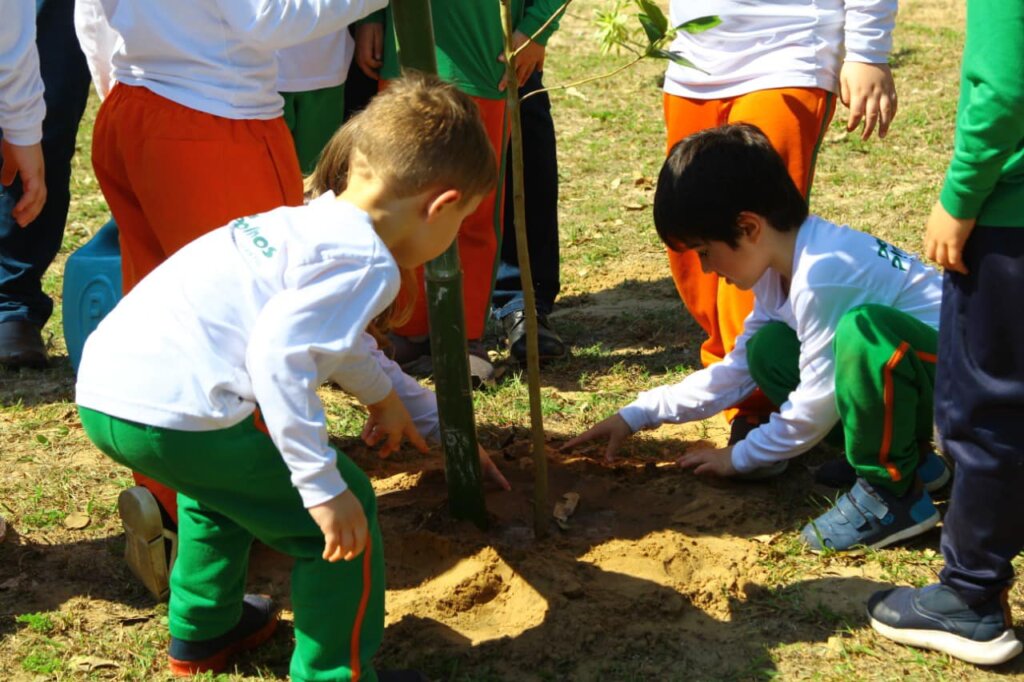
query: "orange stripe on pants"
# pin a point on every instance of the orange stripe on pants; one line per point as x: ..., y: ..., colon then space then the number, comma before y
x: 170, y: 174
x: 478, y: 242
x: 795, y: 120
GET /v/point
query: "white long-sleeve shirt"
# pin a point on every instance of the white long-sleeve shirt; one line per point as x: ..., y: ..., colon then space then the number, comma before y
x: 261, y: 311
x: 22, y: 108
x: 834, y: 269
x: 220, y: 56
x: 776, y: 44
x: 318, y: 64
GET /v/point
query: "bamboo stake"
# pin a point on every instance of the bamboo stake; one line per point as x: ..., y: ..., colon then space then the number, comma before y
x: 415, y: 33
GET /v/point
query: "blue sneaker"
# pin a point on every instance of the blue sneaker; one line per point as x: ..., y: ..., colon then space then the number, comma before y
x: 871, y: 517
x: 936, y: 617
x: 838, y: 473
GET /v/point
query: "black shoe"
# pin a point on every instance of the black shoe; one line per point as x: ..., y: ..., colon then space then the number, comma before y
x: 742, y: 425
x: 257, y: 624
x: 549, y: 345
x: 936, y: 617
x: 21, y: 345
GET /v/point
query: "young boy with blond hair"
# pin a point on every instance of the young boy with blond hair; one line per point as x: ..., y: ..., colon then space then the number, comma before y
x: 207, y: 382
x: 843, y: 333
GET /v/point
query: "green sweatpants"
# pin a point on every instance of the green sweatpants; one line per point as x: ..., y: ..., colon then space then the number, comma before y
x: 313, y: 117
x: 885, y: 377
x: 233, y: 486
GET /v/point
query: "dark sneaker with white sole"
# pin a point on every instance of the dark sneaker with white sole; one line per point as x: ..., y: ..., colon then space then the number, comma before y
x: 871, y: 517
x: 839, y: 473
x: 936, y: 617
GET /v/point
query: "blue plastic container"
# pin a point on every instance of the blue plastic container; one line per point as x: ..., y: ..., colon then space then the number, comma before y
x: 92, y: 287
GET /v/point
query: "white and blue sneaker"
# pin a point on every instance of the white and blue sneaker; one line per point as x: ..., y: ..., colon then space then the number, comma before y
x: 871, y: 517
x: 936, y: 617
x: 839, y: 473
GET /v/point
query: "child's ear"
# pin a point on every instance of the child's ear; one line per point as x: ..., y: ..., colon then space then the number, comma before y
x: 751, y: 225
x: 441, y: 201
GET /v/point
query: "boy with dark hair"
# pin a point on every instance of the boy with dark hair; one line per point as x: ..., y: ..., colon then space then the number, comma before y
x: 976, y: 231
x: 843, y: 332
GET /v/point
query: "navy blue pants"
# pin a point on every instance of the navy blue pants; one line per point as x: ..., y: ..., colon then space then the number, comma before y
x: 540, y: 164
x: 979, y: 410
x: 26, y: 253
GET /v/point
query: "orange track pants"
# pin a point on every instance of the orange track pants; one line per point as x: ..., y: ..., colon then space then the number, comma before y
x: 170, y: 174
x: 478, y: 239
x: 795, y: 120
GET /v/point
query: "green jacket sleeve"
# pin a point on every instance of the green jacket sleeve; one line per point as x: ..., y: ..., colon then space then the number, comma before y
x: 536, y: 14
x: 990, y: 115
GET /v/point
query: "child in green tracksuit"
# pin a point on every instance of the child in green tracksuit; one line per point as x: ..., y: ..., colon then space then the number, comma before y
x: 843, y: 333
x: 470, y: 41
x: 204, y: 378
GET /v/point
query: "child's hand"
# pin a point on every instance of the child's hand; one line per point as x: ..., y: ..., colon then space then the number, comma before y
x: 709, y: 461
x: 343, y: 523
x: 945, y: 237
x: 370, y: 48
x: 491, y: 470
x: 614, y: 428
x: 870, y: 93
x: 26, y: 161
x: 389, y: 422
x: 527, y: 61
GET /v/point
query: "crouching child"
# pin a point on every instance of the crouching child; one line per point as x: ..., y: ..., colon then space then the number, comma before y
x: 204, y: 378
x: 842, y: 339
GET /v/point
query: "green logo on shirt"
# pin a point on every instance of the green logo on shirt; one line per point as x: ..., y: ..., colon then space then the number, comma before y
x: 253, y: 233
x: 898, y: 259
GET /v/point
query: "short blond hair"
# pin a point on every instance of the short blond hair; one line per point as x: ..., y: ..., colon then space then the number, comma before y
x: 418, y: 133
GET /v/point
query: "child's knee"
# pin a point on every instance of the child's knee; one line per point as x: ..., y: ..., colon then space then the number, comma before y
x: 857, y: 325
x: 762, y: 348
x: 359, y: 483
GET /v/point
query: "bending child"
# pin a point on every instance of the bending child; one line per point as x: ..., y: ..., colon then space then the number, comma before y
x: 842, y: 336
x: 208, y: 383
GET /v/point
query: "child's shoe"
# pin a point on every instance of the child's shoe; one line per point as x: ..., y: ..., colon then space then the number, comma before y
x: 839, y: 473
x: 258, y: 622
x: 145, y: 540
x: 935, y: 617
x: 872, y: 517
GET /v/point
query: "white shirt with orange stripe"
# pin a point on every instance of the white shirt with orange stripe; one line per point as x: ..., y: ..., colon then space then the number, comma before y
x: 771, y: 44
x: 261, y: 311
x: 834, y: 270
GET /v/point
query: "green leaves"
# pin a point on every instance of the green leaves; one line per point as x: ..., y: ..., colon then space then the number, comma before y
x: 615, y: 32
x: 699, y: 25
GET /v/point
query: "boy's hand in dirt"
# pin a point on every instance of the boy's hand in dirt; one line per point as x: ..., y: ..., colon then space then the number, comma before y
x: 870, y: 93
x: 491, y: 470
x: 709, y: 461
x: 529, y: 60
x: 389, y: 422
x: 945, y: 237
x: 369, y: 53
x: 343, y: 523
x: 614, y: 429
x: 26, y: 161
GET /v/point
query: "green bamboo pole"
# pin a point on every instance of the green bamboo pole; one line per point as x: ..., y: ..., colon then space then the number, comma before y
x: 414, y: 30
x: 540, y: 461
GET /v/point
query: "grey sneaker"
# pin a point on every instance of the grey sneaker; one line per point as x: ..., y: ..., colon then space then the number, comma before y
x: 936, y: 617
x: 145, y: 540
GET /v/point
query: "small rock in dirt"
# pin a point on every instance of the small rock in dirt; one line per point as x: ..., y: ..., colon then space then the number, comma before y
x: 572, y: 589
x: 835, y: 645
x: 86, y: 664
x: 525, y: 463
x: 76, y: 521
